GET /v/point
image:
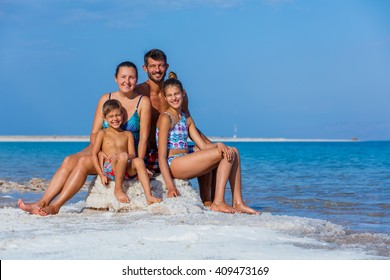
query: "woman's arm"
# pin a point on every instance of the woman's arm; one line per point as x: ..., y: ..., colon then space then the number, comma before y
x: 164, y: 125
x: 145, y: 113
x: 98, y: 119
x: 130, y: 145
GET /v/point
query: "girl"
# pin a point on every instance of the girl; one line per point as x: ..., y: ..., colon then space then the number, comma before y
x: 173, y: 129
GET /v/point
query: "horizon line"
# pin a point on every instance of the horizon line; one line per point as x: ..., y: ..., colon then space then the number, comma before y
x: 80, y: 138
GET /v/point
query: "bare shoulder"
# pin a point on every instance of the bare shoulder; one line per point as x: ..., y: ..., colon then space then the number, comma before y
x: 105, y: 96
x: 190, y: 121
x: 101, y: 133
x: 128, y: 134
x: 145, y: 101
x: 143, y: 89
x: 163, y: 118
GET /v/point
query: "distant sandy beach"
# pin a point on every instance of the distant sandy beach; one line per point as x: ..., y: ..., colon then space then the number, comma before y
x: 75, y: 138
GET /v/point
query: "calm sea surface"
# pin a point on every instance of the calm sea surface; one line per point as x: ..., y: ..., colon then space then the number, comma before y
x: 347, y: 183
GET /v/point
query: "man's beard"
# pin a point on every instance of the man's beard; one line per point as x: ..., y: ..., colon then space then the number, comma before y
x: 150, y: 76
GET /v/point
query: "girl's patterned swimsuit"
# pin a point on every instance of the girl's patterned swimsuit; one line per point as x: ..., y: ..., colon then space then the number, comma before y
x: 177, y: 137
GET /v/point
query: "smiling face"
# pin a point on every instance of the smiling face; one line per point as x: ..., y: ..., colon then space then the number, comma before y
x: 174, y: 96
x: 126, y: 78
x: 156, y: 70
x: 114, y: 118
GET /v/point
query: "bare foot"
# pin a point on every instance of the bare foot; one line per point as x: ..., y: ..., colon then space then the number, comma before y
x: 121, y: 196
x: 207, y: 203
x: 152, y: 199
x: 32, y: 208
x: 243, y: 208
x: 48, y: 210
x: 222, y: 207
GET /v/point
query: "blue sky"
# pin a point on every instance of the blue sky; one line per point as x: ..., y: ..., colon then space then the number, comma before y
x: 272, y: 68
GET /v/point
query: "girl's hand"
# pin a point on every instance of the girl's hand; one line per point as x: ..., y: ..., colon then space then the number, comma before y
x: 173, y: 192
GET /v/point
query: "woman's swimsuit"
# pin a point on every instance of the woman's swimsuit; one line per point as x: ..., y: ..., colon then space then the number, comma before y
x: 177, y: 137
x: 133, y: 124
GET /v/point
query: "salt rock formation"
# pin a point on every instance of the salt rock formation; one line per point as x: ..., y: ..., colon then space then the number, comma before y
x: 102, y: 197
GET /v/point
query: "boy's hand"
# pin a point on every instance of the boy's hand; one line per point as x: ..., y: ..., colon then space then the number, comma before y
x: 102, y: 158
x: 104, y: 180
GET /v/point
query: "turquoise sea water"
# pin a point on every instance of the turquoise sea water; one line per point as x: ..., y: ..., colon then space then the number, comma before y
x: 346, y: 183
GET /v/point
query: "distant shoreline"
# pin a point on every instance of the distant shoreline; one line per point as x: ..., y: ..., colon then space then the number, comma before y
x: 38, y: 138
x: 56, y: 138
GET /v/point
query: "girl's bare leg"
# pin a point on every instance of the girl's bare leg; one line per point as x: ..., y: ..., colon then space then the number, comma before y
x: 56, y: 183
x: 202, y: 162
x: 195, y: 164
x: 138, y: 166
x: 235, y: 184
x: 119, y: 164
x: 223, y: 173
x: 205, y: 183
x: 72, y: 185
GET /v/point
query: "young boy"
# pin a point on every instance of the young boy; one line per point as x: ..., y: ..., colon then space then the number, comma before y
x: 122, y: 162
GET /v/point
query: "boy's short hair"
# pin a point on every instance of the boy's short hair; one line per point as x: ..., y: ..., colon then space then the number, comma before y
x: 111, y: 104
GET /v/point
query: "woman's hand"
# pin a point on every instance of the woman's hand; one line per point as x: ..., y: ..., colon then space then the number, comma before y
x: 225, y: 151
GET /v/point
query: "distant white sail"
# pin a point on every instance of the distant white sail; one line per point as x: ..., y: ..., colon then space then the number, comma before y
x: 235, y: 131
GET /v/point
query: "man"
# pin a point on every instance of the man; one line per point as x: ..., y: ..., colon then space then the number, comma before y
x: 156, y: 66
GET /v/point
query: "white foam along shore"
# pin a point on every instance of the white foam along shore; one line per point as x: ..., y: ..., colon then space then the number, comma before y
x: 179, y: 228
x: 61, y: 138
x: 79, y: 234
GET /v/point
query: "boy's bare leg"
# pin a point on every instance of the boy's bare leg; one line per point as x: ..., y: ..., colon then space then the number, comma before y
x: 143, y: 177
x: 119, y: 166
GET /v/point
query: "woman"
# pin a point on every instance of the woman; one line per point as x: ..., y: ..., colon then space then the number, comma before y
x: 73, y: 172
x: 173, y: 129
